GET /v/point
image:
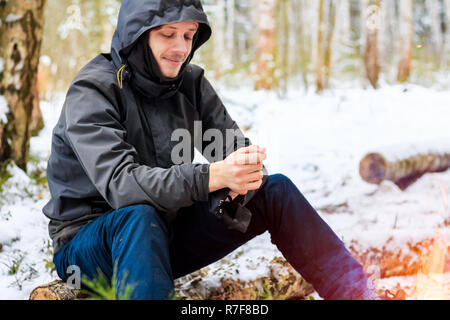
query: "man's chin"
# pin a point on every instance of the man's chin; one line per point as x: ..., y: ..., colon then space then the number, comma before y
x: 171, y: 74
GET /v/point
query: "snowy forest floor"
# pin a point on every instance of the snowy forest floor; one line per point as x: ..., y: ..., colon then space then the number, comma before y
x: 317, y: 141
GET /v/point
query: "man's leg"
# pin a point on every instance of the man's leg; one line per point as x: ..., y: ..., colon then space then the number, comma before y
x: 199, y: 238
x: 308, y: 243
x: 305, y: 240
x: 136, y: 238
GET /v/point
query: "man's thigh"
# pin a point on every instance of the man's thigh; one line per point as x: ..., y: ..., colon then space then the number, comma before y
x: 87, y: 251
x: 200, y: 238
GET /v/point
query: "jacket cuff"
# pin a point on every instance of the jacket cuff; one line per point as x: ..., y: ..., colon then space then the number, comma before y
x: 201, y: 173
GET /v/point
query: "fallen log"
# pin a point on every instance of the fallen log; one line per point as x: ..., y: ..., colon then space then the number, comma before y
x: 282, y: 282
x: 404, y: 164
x: 55, y: 290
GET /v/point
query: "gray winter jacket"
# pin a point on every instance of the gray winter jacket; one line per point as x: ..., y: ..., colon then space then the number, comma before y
x: 112, y: 147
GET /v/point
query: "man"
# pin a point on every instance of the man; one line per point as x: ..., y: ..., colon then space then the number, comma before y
x: 119, y: 203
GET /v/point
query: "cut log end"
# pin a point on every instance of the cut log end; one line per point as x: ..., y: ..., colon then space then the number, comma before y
x: 373, y: 168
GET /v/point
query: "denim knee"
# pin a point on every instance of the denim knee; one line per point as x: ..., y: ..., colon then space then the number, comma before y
x: 280, y: 183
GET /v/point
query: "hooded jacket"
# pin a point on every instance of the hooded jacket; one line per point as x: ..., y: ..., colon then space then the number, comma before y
x: 112, y: 145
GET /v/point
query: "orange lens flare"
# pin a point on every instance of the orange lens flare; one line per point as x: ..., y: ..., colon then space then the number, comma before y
x: 432, y: 282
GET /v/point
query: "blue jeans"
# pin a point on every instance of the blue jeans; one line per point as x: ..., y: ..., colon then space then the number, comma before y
x: 150, y: 252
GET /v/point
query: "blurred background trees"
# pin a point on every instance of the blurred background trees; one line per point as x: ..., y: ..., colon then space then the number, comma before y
x: 276, y: 44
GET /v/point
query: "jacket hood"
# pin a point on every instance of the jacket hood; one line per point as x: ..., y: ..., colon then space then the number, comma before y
x: 138, y: 16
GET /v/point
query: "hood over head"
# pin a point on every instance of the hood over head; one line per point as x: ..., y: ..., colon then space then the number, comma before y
x: 136, y: 17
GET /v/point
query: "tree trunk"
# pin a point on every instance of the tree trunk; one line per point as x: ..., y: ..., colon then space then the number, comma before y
x: 329, y: 41
x: 371, y: 53
x: 320, y: 62
x: 265, y: 45
x: 406, y: 39
x: 20, y: 43
x: 403, y: 165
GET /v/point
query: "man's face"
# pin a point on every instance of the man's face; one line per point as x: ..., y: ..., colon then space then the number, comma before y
x: 171, y: 45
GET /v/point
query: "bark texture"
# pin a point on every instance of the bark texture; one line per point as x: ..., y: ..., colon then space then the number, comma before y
x: 320, y: 62
x: 20, y: 43
x: 376, y: 167
x: 55, y: 290
x: 371, y: 54
x: 406, y: 39
x: 265, y: 44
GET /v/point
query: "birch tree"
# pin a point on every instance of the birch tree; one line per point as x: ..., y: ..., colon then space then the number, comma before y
x: 20, y: 43
x: 371, y: 52
x: 406, y: 39
x: 265, y: 44
x: 320, y: 62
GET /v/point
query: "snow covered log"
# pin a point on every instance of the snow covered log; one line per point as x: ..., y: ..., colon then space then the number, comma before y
x: 55, y: 290
x: 404, y: 164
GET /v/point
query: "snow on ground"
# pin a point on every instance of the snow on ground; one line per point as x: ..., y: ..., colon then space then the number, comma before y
x: 27, y: 251
x: 317, y: 141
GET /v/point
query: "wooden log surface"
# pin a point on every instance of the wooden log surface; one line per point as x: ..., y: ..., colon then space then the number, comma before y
x: 403, y: 165
x: 55, y: 290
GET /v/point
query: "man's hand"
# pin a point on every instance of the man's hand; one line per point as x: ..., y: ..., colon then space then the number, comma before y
x: 240, y: 171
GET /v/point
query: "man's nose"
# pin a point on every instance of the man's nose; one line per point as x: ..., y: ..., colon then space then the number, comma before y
x: 180, y: 46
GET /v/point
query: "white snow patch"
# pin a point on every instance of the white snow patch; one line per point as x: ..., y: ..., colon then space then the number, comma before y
x: 45, y: 60
x: 3, y: 109
x: 13, y: 17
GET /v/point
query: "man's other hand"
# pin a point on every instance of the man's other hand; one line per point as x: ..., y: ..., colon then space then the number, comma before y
x: 240, y: 171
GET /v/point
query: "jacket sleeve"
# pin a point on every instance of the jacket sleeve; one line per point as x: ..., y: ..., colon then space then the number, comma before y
x: 96, y: 135
x: 215, y: 116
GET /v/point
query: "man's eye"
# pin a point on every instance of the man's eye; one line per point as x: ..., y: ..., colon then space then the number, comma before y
x: 167, y: 35
x: 188, y: 38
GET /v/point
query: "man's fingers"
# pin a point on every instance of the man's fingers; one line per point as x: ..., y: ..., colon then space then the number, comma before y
x: 250, y: 168
x: 232, y: 194
x: 250, y: 158
x: 251, y: 149
x: 254, y: 185
x: 254, y: 176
